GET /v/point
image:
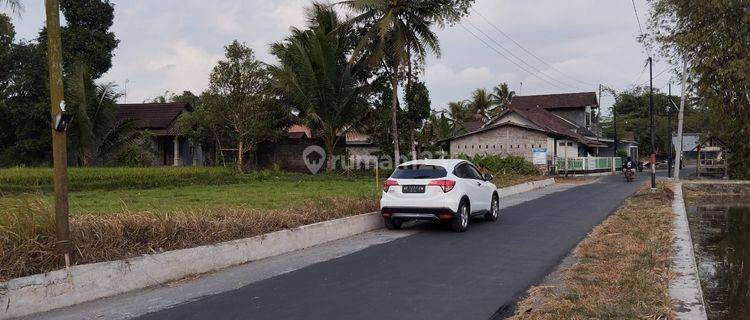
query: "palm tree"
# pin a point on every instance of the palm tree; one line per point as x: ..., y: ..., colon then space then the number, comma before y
x: 481, y: 103
x: 14, y: 5
x: 458, y: 113
x: 501, y: 98
x: 95, y: 135
x: 398, y: 32
x: 314, y: 77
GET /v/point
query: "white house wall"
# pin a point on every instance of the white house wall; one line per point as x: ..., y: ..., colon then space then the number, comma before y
x: 506, y: 140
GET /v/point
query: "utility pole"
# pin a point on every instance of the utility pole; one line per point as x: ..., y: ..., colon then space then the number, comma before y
x: 651, y: 114
x: 669, y: 130
x: 680, y: 120
x: 59, y: 152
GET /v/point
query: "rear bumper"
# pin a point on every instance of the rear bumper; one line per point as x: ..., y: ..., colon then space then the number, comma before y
x: 418, y: 213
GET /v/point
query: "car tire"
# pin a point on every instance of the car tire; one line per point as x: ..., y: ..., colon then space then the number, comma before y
x: 494, y: 209
x: 461, y: 222
x: 392, y: 224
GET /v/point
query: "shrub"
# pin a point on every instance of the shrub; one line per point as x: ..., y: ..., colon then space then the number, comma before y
x: 502, y: 165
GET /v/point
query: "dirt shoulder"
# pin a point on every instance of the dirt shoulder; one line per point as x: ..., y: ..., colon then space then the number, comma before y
x: 621, y: 270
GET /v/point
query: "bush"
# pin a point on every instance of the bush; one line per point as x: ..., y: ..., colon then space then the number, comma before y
x: 502, y: 165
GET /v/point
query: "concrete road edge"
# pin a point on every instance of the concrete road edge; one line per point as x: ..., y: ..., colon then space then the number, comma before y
x: 685, y: 289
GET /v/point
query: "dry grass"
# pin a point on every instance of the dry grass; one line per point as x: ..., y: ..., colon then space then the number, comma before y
x: 27, y: 238
x: 622, y: 269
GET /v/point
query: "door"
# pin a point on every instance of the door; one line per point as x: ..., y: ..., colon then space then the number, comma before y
x: 471, y: 179
x: 484, y: 196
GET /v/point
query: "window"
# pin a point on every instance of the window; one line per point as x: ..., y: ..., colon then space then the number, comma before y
x: 474, y: 172
x: 480, y: 146
x: 467, y: 171
x: 419, y: 171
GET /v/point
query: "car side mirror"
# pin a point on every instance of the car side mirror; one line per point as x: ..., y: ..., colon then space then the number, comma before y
x: 488, y: 177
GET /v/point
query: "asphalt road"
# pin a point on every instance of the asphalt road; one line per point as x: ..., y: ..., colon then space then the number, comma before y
x: 433, y: 274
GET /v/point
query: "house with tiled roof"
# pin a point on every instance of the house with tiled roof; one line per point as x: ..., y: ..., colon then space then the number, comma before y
x: 158, y: 120
x: 542, y: 129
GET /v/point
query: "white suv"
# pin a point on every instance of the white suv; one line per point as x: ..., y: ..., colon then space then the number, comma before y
x: 441, y: 189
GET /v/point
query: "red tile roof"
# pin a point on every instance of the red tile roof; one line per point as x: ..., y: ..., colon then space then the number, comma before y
x: 152, y: 116
x: 555, y: 101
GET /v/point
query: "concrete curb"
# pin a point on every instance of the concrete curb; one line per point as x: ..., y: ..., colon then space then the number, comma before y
x: 685, y: 289
x: 523, y: 187
x: 63, y: 288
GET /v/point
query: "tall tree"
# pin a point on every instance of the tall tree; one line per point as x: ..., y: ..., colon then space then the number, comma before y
x: 714, y: 36
x: 417, y: 110
x: 238, y: 92
x: 501, y: 97
x: 15, y: 6
x: 86, y: 36
x: 481, y: 104
x: 398, y: 31
x: 314, y: 77
x: 458, y: 113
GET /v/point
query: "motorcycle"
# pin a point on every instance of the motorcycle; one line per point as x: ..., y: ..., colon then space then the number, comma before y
x: 629, y: 175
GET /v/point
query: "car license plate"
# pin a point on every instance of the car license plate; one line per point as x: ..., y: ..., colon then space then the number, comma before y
x: 413, y: 189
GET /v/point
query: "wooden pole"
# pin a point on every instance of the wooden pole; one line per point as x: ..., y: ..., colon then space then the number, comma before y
x: 377, y: 175
x: 59, y: 152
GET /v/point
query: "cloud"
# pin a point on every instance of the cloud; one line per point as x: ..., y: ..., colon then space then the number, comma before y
x: 173, y: 44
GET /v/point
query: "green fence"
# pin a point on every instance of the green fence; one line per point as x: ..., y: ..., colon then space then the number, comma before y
x: 588, y: 164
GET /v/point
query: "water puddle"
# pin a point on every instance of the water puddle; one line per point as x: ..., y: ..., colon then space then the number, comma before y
x: 720, y: 228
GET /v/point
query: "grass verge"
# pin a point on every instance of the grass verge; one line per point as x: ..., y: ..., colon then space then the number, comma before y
x: 622, y: 269
x: 27, y: 237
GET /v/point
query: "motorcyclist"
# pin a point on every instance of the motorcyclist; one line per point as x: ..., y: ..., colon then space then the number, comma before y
x: 628, y: 164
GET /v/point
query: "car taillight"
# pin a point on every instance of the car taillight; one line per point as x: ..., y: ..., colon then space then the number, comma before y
x: 446, y: 185
x: 388, y: 183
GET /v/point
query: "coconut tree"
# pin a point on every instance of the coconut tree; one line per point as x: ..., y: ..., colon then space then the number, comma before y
x: 314, y: 77
x: 501, y: 98
x: 15, y: 6
x: 397, y: 32
x: 458, y: 113
x: 481, y: 103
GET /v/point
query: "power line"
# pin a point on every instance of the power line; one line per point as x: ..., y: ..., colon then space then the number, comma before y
x: 657, y: 75
x: 506, y: 58
x: 526, y: 50
x: 637, y: 18
x: 640, y: 28
x: 520, y: 59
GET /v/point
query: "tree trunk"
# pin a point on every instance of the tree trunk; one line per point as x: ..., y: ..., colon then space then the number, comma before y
x: 240, y: 155
x: 413, y: 142
x: 329, y: 155
x: 394, y: 117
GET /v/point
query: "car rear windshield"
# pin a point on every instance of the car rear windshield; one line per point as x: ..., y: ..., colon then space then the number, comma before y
x: 419, y: 171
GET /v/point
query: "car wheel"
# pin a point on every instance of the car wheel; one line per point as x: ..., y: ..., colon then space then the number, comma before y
x: 494, y: 210
x: 392, y: 224
x: 461, y: 222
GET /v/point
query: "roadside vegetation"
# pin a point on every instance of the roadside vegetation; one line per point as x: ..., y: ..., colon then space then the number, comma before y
x: 27, y: 234
x: 622, y: 268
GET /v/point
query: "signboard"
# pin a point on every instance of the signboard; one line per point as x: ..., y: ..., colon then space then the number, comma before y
x: 539, y: 155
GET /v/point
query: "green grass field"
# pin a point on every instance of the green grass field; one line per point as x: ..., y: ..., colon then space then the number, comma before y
x: 113, y: 190
x: 185, y: 189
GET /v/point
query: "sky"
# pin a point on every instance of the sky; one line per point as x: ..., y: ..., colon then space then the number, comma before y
x: 565, y: 46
